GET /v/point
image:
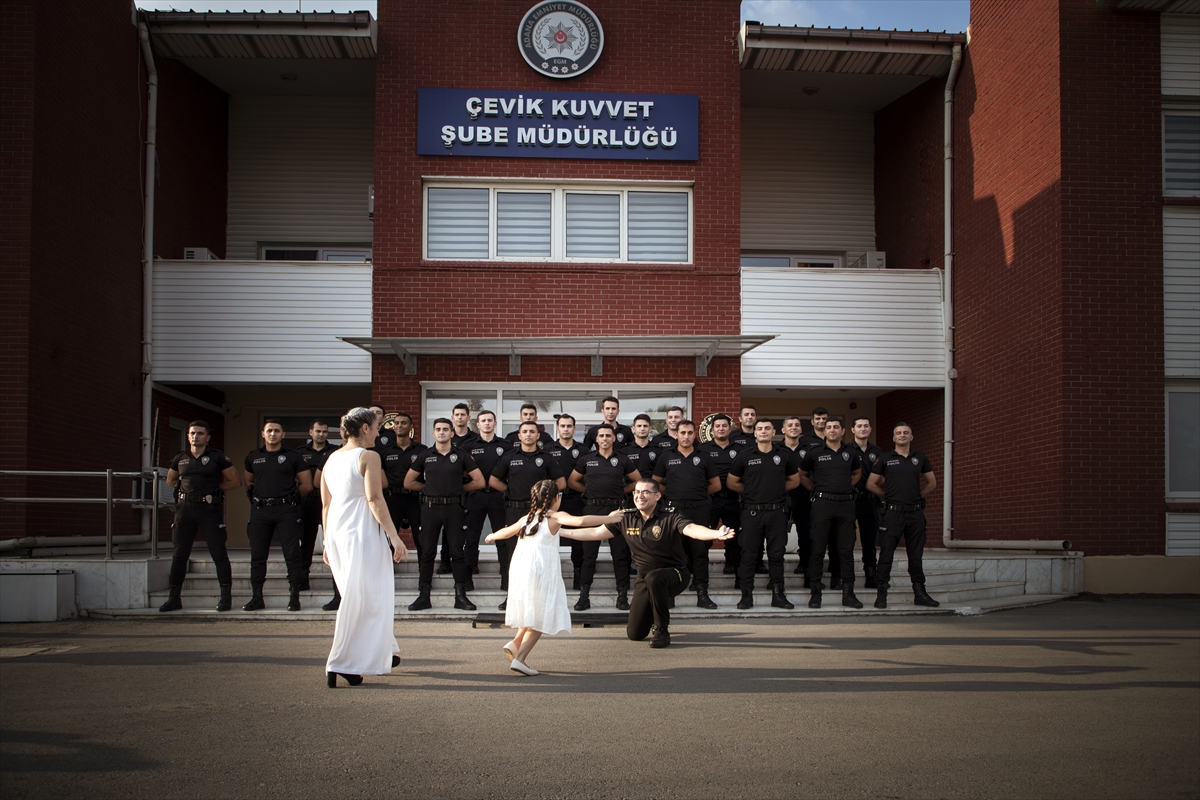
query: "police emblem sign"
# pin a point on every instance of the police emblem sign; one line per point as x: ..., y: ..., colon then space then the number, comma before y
x: 560, y: 39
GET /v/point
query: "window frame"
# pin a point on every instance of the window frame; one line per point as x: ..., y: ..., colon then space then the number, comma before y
x: 1175, y: 109
x: 558, y: 217
x: 796, y: 260
x: 1175, y: 388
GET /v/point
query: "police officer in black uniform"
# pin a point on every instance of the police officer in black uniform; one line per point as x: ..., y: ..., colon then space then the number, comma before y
x: 604, y: 477
x: 726, y: 506
x: 802, y: 512
x: 688, y: 477
x: 830, y: 472
x: 315, y: 453
x: 744, y: 436
x: 200, y: 475
x: 640, y: 451
x: 763, y: 475
x: 653, y: 536
x: 486, y: 448
x: 460, y: 415
x: 798, y: 499
x: 515, y: 474
x: 276, y: 481
x: 404, y: 506
x: 566, y: 451
x: 386, y: 436
x: 610, y: 407
x: 442, y: 474
x: 903, y: 478
x: 866, y: 510
x: 529, y: 413
x: 666, y: 439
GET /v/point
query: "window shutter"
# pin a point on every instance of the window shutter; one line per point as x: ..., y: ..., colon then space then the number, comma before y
x: 593, y: 225
x: 1181, y: 154
x: 523, y: 224
x: 658, y: 226
x: 458, y: 223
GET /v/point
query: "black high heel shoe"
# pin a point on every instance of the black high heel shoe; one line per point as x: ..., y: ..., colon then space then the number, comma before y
x: 395, y: 661
x: 331, y: 679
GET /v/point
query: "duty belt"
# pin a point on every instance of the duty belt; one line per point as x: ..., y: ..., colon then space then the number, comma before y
x: 287, y: 499
x: 764, y: 507
x: 605, y: 502
x: 673, y: 504
x: 726, y: 494
x: 196, y: 497
x: 454, y: 499
x: 390, y: 492
x: 517, y: 503
x: 828, y: 496
x: 903, y: 507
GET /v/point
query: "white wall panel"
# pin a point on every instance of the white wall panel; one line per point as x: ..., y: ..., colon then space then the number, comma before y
x: 1181, y: 291
x: 1180, y: 45
x: 808, y: 180
x: 260, y: 322
x: 299, y: 168
x: 843, y: 328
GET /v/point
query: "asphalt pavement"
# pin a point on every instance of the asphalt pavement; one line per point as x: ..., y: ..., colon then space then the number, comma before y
x: 1088, y: 698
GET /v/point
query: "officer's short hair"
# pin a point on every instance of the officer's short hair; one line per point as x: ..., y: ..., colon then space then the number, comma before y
x: 820, y: 410
x: 491, y: 414
x: 317, y: 422
x: 675, y: 408
x: 199, y: 423
x: 903, y: 424
x: 725, y: 417
x: 604, y: 426
x: 610, y: 400
x: 860, y: 416
x: 528, y: 405
x: 463, y: 406
x: 440, y: 420
x: 837, y: 419
x: 786, y: 420
x: 399, y: 414
x: 377, y: 405
x: 641, y: 417
x: 272, y: 420
x: 747, y: 405
x: 566, y: 416
x: 529, y: 422
x: 686, y: 422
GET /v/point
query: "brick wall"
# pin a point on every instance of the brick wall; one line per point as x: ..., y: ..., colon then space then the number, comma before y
x: 923, y: 410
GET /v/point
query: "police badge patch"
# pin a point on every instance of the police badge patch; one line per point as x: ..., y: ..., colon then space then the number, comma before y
x: 845, y: 456
x: 733, y: 453
x: 281, y: 459
x: 204, y: 460
x: 873, y: 457
x: 653, y: 455
x: 614, y: 461
x: 777, y: 460
x: 656, y: 531
x: 499, y: 451
x: 575, y: 452
x: 453, y: 457
x: 916, y: 461
x: 538, y: 461
x: 696, y: 460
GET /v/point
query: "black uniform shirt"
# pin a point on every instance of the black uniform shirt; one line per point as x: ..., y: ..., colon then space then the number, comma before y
x: 385, y: 439
x: 810, y: 440
x: 742, y: 439
x: 464, y: 442
x: 799, y: 494
x: 274, y: 472
x: 521, y: 470
x: 654, y: 543
x: 764, y: 475
x: 397, y: 461
x: 315, y: 459
x: 623, y: 433
x: 664, y: 441
x: 830, y: 469
x: 200, y: 475
x: 642, y: 458
x: 869, y: 458
x: 544, y: 439
x: 566, y: 458
x: 902, y: 476
x: 487, y: 454
x: 604, y: 477
x: 442, y: 474
x: 685, y: 477
x: 721, y: 457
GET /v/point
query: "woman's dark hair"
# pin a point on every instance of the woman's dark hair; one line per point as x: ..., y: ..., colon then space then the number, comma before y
x: 541, y: 499
x: 354, y: 419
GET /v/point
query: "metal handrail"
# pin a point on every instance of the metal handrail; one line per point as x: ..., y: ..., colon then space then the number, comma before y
x: 109, y: 501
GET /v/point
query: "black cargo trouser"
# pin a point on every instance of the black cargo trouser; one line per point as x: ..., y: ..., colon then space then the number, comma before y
x: 506, y: 547
x: 439, y: 519
x: 696, y: 549
x: 572, y: 503
x: 758, y: 527
x: 651, y: 603
x: 832, y: 527
x: 310, y: 521
x: 193, y: 518
x: 910, y: 525
x: 486, y: 504
x: 801, y: 515
x: 265, y: 523
x: 726, y: 509
x: 865, y: 511
x: 616, y: 545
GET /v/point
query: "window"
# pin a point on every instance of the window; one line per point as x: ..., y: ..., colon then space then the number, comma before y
x: 358, y: 255
x: 540, y: 222
x: 798, y: 261
x: 1181, y: 153
x: 1183, y: 442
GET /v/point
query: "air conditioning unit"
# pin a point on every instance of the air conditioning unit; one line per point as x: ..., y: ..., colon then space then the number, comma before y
x: 199, y: 254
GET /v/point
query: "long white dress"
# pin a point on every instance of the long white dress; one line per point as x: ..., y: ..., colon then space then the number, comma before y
x: 537, y: 597
x: 364, y: 639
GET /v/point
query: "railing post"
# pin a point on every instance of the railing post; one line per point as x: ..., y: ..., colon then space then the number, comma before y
x: 154, y: 514
x: 108, y: 544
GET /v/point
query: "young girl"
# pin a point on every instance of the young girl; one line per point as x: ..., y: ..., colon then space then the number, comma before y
x: 537, y: 597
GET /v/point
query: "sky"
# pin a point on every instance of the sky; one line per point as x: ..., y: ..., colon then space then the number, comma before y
x: 918, y: 15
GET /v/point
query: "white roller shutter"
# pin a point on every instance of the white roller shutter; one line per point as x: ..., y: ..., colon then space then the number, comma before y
x: 841, y: 328
x: 260, y: 322
x: 1180, y: 45
x: 1183, y: 534
x: 808, y: 180
x: 1181, y: 291
x: 299, y: 168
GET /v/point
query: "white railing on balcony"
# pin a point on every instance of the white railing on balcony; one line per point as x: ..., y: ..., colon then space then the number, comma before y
x: 844, y: 328
x: 260, y: 321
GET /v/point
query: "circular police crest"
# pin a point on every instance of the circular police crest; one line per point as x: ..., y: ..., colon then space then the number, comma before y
x: 560, y: 40
x: 538, y: 461
x: 453, y: 457
x: 696, y: 460
x: 915, y: 461
x: 656, y: 531
x: 204, y: 460
x: 845, y: 456
x: 281, y: 459
x: 499, y: 451
x: 653, y: 455
x: 575, y: 452
x: 872, y: 456
x: 620, y: 437
x: 384, y: 440
x: 614, y: 461
x: 733, y: 453
x: 777, y: 460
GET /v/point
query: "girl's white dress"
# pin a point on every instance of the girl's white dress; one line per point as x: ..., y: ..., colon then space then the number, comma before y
x: 537, y: 597
x: 364, y: 639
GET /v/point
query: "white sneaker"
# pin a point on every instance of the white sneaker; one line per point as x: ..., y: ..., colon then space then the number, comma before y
x: 517, y: 666
x: 510, y: 651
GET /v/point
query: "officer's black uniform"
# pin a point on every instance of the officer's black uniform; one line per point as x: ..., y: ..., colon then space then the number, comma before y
x: 461, y: 442
x: 404, y: 505
x: 383, y: 440
x: 442, y: 510
x: 663, y: 441
x: 741, y: 438
x: 486, y: 503
x: 903, y: 516
x: 832, y: 521
x: 685, y: 490
x: 764, y: 516
x: 656, y: 546
x: 572, y: 501
x: 604, y: 479
x: 802, y: 515
x: 623, y: 435
x: 514, y: 439
x: 643, y: 460
x: 866, y: 511
x: 199, y: 508
x: 519, y: 471
x: 275, y: 509
x: 310, y: 508
x: 746, y: 441
x: 726, y: 508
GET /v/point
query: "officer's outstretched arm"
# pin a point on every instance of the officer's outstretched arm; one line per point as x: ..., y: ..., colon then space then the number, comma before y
x: 707, y: 534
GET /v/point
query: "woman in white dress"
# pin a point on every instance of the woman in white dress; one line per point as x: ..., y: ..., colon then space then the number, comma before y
x: 357, y: 531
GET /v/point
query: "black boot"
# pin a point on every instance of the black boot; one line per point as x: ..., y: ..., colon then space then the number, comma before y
x: 422, y: 601
x: 460, y: 598
x: 622, y: 599
x: 814, y: 601
x: 173, y: 602
x: 256, y: 601
x: 294, y: 597
x: 702, y: 598
x: 921, y: 597
x: 575, y: 580
x: 848, y: 598
x: 747, y: 600
x: 304, y: 585
x: 226, y: 601
x: 584, y: 602
x: 778, y: 598
x: 881, y: 594
x: 869, y: 581
x: 335, y: 602
x: 470, y: 584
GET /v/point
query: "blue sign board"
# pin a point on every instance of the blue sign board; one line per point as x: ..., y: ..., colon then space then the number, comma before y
x: 500, y: 124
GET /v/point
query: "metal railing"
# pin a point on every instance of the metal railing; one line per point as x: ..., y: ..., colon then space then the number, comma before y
x: 142, y: 477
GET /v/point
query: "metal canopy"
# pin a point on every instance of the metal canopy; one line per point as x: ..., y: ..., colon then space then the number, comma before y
x: 259, y: 36
x: 846, y: 51
x: 1161, y: 6
x: 702, y: 348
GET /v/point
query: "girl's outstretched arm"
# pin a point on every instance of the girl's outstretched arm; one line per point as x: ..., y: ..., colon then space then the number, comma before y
x: 506, y: 532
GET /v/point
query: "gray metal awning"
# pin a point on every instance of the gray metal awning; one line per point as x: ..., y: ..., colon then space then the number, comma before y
x: 1161, y: 6
x: 702, y: 348
x: 846, y: 50
x: 185, y: 35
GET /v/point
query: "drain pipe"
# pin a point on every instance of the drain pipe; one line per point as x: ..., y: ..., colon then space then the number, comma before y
x: 148, y: 262
x: 948, y: 539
